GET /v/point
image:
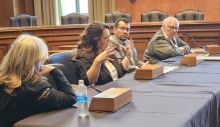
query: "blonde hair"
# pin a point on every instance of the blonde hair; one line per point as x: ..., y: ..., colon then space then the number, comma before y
x: 23, y: 60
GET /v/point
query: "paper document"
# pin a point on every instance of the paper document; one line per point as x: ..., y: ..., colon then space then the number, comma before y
x: 167, y: 69
x: 212, y: 58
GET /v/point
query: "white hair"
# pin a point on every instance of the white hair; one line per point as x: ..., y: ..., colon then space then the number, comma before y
x: 167, y: 20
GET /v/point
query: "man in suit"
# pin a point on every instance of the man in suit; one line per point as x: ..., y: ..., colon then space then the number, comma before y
x: 166, y: 43
x: 120, y: 40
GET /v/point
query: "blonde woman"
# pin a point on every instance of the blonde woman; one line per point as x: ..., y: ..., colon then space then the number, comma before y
x: 23, y: 89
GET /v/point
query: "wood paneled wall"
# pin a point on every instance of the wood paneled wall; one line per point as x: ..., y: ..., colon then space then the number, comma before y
x: 211, y: 9
x: 10, y: 8
x: 4, y: 15
x: 204, y: 32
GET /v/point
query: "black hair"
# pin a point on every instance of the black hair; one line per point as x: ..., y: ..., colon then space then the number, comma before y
x: 122, y: 19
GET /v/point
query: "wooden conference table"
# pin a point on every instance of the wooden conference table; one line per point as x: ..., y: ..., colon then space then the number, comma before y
x: 189, y: 96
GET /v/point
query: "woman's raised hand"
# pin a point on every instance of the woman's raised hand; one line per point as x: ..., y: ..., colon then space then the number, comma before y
x: 105, y: 55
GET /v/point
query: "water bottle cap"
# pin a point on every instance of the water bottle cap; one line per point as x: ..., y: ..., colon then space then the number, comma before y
x: 81, y: 82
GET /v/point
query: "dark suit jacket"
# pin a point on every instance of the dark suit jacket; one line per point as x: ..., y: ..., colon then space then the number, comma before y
x: 161, y: 48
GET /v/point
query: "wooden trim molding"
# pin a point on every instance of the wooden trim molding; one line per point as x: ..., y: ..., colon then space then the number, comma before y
x: 204, y: 32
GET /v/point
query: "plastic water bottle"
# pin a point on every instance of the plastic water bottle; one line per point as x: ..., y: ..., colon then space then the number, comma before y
x: 82, y: 99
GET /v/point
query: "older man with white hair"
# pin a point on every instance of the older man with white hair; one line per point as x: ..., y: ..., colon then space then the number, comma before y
x: 166, y: 43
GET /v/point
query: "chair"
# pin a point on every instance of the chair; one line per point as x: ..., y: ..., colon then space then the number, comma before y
x: 112, y: 17
x: 68, y: 68
x: 153, y: 16
x: 23, y: 20
x: 190, y: 15
x: 74, y: 18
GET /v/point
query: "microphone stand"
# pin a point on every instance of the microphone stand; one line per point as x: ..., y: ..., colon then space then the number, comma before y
x: 84, y: 70
x: 194, y: 42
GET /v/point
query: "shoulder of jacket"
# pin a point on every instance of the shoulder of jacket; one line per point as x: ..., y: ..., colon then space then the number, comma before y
x: 34, y: 87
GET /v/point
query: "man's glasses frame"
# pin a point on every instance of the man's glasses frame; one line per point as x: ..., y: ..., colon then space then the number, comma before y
x: 173, y: 27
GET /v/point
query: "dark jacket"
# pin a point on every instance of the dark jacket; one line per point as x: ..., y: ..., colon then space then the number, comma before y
x: 104, y: 75
x: 29, y: 99
x: 160, y: 48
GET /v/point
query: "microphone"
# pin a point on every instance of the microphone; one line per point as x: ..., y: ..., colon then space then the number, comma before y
x: 84, y: 70
x: 194, y: 42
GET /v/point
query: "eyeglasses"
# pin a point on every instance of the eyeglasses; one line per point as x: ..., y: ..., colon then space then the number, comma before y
x: 173, y: 27
x: 124, y: 28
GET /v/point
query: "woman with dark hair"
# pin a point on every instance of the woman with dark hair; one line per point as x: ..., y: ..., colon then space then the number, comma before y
x: 98, y: 59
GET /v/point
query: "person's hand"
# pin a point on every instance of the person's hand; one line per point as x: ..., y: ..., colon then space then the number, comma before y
x: 46, y: 69
x: 105, y: 55
x: 183, y: 49
x: 128, y: 48
x: 131, y: 43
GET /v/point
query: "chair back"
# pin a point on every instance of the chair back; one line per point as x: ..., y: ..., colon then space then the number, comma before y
x: 68, y: 68
x: 190, y: 15
x: 23, y: 20
x: 75, y: 18
x: 153, y: 16
x: 112, y: 17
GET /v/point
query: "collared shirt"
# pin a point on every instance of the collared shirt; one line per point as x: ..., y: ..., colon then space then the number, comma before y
x: 173, y: 41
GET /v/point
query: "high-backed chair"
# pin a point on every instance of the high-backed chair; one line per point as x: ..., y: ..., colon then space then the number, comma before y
x: 74, y: 18
x: 68, y: 67
x: 23, y: 20
x: 112, y: 17
x: 153, y: 16
x: 190, y: 15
